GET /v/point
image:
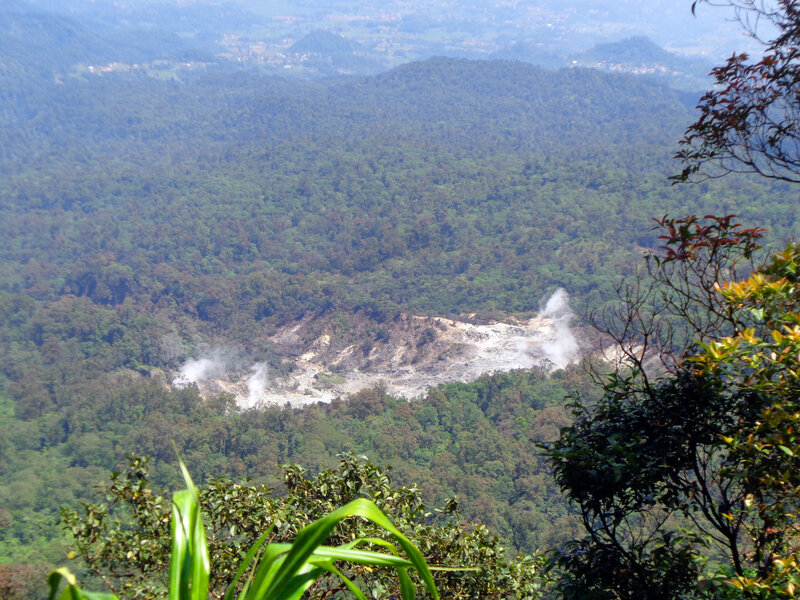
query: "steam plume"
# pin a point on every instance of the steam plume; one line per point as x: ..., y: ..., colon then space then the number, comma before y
x: 197, y: 370
x: 562, y: 348
x: 257, y: 382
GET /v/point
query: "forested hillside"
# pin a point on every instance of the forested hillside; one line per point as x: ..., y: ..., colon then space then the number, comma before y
x: 144, y: 219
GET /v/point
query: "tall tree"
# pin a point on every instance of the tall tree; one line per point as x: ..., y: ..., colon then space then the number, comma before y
x: 685, y: 472
x: 650, y: 466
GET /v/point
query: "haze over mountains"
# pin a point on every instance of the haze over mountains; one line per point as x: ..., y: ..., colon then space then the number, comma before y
x: 322, y: 39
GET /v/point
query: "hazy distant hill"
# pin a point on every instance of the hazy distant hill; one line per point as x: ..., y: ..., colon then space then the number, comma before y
x: 455, y: 102
x: 199, y: 19
x: 536, y: 53
x: 38, y: 46
x: 641, y: 56
x: 324, y: 42
x: 43, y: 44
x: 46, y: 39
x: 325, y: 53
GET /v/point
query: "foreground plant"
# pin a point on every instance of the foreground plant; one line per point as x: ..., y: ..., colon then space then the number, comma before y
x: 125, y: 542
x: 276, y: 571
x: 762, y: 362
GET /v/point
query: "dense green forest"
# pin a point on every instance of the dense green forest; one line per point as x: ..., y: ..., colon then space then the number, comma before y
x: 144, y: 218
x: 476, y: 441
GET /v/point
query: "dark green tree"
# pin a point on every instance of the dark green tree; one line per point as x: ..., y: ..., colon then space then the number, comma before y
x: 681, y: 487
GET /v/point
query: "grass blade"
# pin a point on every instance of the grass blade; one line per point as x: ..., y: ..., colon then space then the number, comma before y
x: 350, y: 585
x: 297, y: 585
x: 245, y: 564
x: 189, y: 563
x: 274, y: 555
x: 362, y: 557
x: 72, y: 591
x: 407, y: 591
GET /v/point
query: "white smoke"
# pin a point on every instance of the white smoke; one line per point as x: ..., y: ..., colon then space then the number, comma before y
x: 257, y: 383
x: 562, y: 347
x: 195, y: 371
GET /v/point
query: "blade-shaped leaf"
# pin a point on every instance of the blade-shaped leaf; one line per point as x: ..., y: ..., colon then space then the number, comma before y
x: 350, y: 585
x: 312, y: 536
x: 245, y: 564
x: 363, y: 557
x: 189, y: 563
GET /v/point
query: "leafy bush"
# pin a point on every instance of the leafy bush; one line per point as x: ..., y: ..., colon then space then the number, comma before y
x: 125, y: 542
x: 277, y: 571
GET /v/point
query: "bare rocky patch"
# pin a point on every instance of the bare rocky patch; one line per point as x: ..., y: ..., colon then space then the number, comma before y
x: 337, y: 355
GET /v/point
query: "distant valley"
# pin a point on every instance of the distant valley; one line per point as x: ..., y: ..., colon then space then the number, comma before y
x: 407, y: 356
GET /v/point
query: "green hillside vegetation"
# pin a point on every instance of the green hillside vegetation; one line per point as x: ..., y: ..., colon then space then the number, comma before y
x: 145, y: 218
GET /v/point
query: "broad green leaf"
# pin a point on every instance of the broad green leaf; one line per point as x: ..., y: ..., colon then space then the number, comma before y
x: 245, y: 564
x: 363, y: 557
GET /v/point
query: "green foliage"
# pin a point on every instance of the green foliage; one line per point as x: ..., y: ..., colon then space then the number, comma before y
x: 686, y: 482
x: 146, y: 218
x: 276, y: 571
x: 476, y: 441
x: 761, y: 363
x: 123, y: 543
